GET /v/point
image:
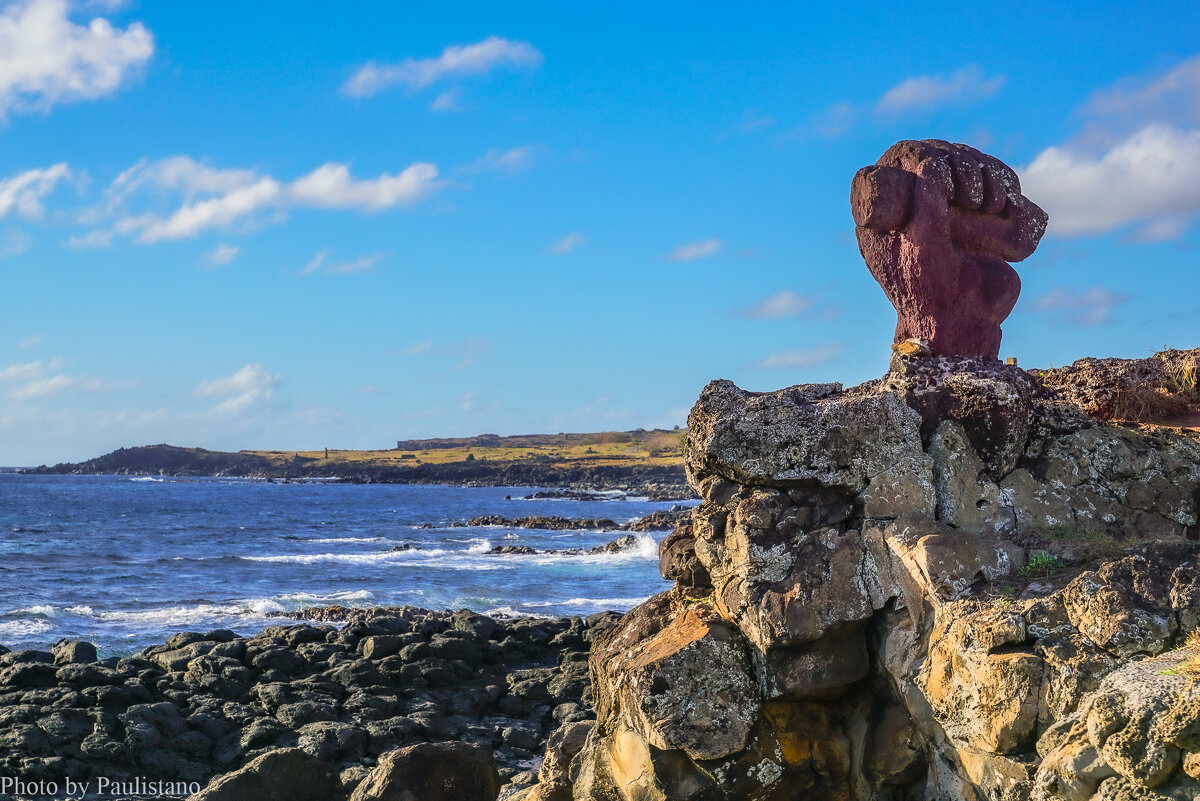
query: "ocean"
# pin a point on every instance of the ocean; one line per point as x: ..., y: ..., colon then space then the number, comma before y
x: 124, y: 562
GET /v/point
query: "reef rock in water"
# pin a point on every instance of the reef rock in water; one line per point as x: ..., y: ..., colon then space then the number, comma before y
x: 944, y: 584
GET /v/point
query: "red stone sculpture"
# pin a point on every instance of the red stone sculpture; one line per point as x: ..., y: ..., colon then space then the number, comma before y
x: 937, y: 224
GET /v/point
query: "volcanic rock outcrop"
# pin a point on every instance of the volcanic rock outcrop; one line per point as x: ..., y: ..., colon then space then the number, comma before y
x: 944, y: 584
x: 937, y: 224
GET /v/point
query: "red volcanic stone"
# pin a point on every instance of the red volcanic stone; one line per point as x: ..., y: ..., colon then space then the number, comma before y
x: 937, y: 224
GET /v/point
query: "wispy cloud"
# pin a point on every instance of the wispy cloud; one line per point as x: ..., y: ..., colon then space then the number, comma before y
x: 248, y: 388
x: 45, y: 58
x: 568, y: 243
x: 915, y: 94
x: 1172, y: 97
x: 801, y: 359
x: 23, y: 193
x: 695, y: 250
x: 57, y: 385
x: 782, y: 304
x: 321, y: 263
x: 923, y: 92
x: 1081, y: 307
x: 447, y: 101
x: 31, y: 342
x: 14, y: 242
x: 498, y: 159
x: 43, y: 379
x: 221, y: 254
x: 456, y: 61
x: 465, y: 353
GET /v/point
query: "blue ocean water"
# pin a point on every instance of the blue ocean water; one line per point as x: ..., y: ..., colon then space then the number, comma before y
x: 125, y: 562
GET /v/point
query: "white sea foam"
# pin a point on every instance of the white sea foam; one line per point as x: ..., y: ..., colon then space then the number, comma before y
x: 479, y: 546
x: 40, y: 610
x: 10, y: 629
x: 600, y: 603
x: 327, y: 540
x: 147, y: 478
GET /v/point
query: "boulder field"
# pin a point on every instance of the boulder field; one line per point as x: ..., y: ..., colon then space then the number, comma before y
x: 331, y: 706
x: 943, y: 584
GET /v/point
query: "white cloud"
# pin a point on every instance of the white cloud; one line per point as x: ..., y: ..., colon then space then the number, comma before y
x: 695, y: 250
x: 1152, y: 177
x: 782, y: 304
x: 455, y: 61
x: 245, y: 389
x: 14, y: 242
x: 192, y: 218
x: 928, y: 91
x: 420, y: 347
x: 24, y: 192
x: 45, y: 58
x: 218, y: 198
x: 31, y: 342
x: 222, y: 254
x: 568, y: 243
x: 330, y: 186
x: 320, y: 263
x: 801, y: 359
x: 1081, y: 308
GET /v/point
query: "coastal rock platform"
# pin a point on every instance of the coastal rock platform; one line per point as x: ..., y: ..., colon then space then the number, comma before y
x: 944, y: 584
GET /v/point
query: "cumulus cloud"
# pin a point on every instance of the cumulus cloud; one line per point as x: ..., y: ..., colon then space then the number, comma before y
x: 45, y: 58
x: 220, y: 198
x: 1152, y: 177
x: 801, y: 359
x: 320, y: 263
x: 24, y: 192
x: 246, y: 389
x: 1135, y: 163
x: 782, y: 304
x: 1080, y: 307
x: 222, y: 254
x: 695, y: 250
x: 568, y: 243
x: 922, y: 92
x: 455, y: 62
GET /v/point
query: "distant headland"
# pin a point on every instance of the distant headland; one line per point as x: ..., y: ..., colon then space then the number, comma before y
x: 640, y: 462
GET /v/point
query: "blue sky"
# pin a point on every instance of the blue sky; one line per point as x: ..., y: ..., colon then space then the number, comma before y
x: 262, y: 225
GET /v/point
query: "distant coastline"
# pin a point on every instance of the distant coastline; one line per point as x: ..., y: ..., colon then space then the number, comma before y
x: 640, y: 462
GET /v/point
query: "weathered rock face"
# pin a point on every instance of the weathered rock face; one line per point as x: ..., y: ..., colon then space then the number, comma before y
x: 937, y: 224
x: 1161, y: 388
x: 925, y: 587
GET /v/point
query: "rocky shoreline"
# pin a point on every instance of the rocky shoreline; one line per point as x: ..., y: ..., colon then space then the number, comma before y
x: 344, y: 686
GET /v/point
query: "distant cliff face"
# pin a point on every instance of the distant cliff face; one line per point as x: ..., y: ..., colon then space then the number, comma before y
x: 945, y: 584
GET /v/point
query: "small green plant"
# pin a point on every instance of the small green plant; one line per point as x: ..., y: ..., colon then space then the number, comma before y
x: 1042, y: 564
x: 1090, y: 544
